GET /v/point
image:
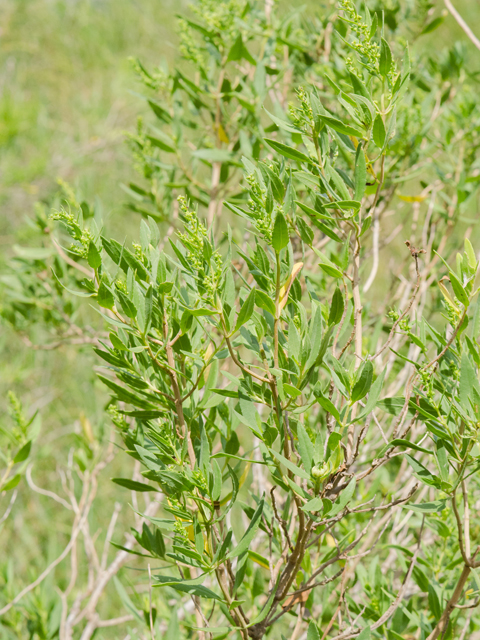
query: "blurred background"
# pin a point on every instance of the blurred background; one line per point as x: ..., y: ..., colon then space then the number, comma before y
x: 67, y: 99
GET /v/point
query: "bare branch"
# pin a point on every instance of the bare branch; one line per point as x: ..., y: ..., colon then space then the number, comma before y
x: 461, y: 22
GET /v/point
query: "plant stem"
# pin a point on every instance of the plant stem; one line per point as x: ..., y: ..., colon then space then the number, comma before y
x: 277, y: 309
x: 177, y: 394
x: 442, y: 624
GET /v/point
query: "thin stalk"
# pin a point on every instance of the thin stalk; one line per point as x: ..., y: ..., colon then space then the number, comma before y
x: 277, y: 309
x: 177, y: 393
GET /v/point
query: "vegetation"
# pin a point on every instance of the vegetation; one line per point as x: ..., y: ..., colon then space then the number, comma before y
x: 290, y: 357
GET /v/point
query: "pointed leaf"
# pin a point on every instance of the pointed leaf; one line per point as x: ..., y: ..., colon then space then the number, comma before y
x: 249, y: 534
x: 288, y: 152
x: 385, y: 63
x: 378, y: 132
x: 360, y: 173
x: 340, y: 127
x: 133, y: 485
x: 280, y: 236
x: 246, y: 311
x: 337, y: 307
x: 364, y: 382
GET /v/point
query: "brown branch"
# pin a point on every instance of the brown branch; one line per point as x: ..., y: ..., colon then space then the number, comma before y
x: 463, y: 25
x: 442, y: 624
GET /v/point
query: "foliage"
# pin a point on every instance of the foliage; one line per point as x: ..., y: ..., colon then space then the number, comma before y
x: 309, y: 427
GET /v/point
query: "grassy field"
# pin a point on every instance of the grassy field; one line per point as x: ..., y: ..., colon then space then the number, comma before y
x: 66, y: 95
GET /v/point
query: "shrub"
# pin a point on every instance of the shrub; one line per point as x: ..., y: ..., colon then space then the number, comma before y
x: 306, y: 408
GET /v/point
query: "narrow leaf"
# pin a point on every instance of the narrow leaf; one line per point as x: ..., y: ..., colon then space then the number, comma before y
x: 360, y: 173
x: 246, y: 310
x: 288, y: 152
x: 133, y: 485
x: 385, y: 63
x: 336, y: 308
x: 249, y: 534
x: 378, y: 132
x: 364, y: 382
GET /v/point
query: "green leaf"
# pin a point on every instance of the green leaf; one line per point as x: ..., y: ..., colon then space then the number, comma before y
x: 366, y: 222
x: 432, y: 25
x: 124, y: 258
x: 316, y: 338
x: 340, y: 127
x: 364, y: 382
x: 280, y: 236
x: 385, y: 63
x: 344, y: 498
x: 401, y: 442
x: 374, y: 25
x: 12, y: 483
x: 94, y: 258
x: 187, y: 586
x: 469, y: 387
x: 327, y: 265
x: 313, y: 212
x: 423, y: 474
x: 160, y: 112
x: 315, y: 504
x: 393, y: 405
x: 305, y: 447
x: 360, y: 173
x: 428, y: 507
x: 337, y: 307
x: 23, y: 453
x: 249, y: 534
x: 470, y: 252
x: 442, y: 460
x: 334, y: 440
x: 124, y: 395
x: 292, y: 391
x: 434, y: 602
x: 365, y: 634
x: 285, y: 125
x: 288, y: 152
x: 312, y: 633
x: 290, y: 465
x: 127, y: 305
x: 373, y: 395
x: 267, y: 607
x: 378, y: 132
x: 127, y: 603
x: 306, y: 233
x: 264, y: 301
x: 458, y: 290
x: 161, y: 144
x: 133, y: 485
x: 80, y: 294
x: 327, y: 405
x: 105, y: 297
x: 239, y: 51
x: 345, y: 205
x: 246, y: 311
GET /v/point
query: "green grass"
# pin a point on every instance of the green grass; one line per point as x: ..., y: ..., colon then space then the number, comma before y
x: 66, y: 95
